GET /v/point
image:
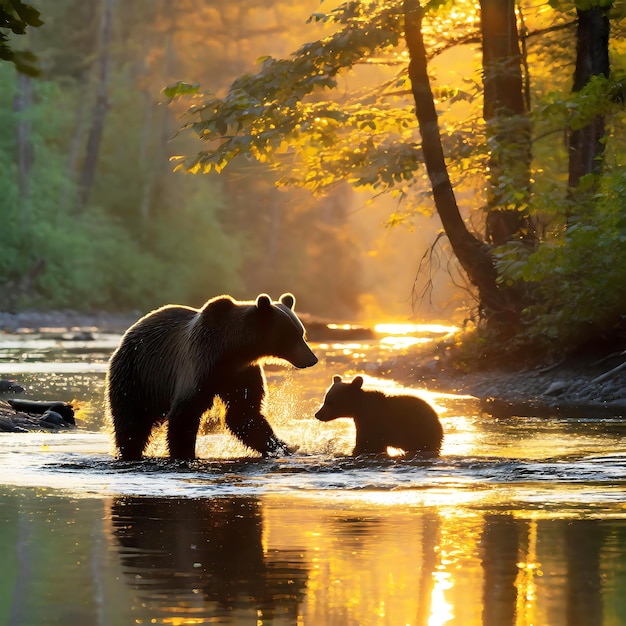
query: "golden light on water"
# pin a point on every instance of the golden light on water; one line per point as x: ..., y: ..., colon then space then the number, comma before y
x: 398, y: 343
x: 413, y: 329
x: 418, y: 566
x: 526, y: 581
x: 399, y: 336
x: 346, y: 348
x: 441, y: 610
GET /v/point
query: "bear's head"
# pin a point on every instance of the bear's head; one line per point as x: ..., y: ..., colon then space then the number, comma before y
x: 282, y: 331
x: 342, y: 399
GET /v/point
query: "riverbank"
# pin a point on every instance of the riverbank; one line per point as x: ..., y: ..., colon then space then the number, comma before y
x: 584, y: 385
x: 66, y: 321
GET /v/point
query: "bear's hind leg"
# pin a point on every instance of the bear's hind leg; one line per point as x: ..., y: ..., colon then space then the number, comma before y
x: 132, y: 413
x: 244, y: 399
x: 131, y: 436
x: 182, y: 431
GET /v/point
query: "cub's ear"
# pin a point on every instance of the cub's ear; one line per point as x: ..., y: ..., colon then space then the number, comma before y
x: 289, y: 300
x: 263, y: 302
x: 357, y: 382
x: 336, y: 379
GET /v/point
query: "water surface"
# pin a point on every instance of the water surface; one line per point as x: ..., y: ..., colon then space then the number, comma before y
x: 520, y: 521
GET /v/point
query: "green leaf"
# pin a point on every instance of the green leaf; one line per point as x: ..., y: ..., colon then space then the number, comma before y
x: 180, y: 89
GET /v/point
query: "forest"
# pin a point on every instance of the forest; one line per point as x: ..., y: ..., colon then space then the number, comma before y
x: 159, y: 151
x: 94, y: 216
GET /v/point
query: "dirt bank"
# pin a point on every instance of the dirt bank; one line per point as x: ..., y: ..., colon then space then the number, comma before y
x: 587, y: 385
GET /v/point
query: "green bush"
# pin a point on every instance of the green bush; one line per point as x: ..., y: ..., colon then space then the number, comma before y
x: 577, y: 275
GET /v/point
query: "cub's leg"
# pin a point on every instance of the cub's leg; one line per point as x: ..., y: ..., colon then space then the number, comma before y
x: 243, y: 397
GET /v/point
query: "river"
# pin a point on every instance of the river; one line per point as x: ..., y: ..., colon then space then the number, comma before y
x: 519, y: 522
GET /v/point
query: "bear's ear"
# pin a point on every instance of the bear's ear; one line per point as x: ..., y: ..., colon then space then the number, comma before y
x: 336, y: 379
x: 289, y: 300
x: 263, y: 302
x: 357, y: 382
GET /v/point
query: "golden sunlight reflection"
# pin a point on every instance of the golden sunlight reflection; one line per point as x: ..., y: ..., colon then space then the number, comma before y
x: 441, y: 610
x: 526, y: 582
x: 285, y: 559
x: 399, y: 343
x: 396, y: 336
x: 405, y: 565
x: 407, y: 329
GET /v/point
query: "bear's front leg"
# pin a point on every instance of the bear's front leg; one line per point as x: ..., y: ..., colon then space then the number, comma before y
x: 243, y: 397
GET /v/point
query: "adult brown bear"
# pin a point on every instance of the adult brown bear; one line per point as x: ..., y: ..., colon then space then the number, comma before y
x: 172, y: 363
x: 383, y: 421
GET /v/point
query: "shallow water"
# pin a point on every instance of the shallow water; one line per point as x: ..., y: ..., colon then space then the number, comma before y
x: 520, y: 521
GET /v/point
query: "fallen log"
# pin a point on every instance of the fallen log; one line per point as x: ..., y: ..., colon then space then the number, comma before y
x: 38, y: 407
x: 13, y: 420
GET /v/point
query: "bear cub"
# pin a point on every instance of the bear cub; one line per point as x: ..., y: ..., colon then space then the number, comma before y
x: 402, y: 421
x: 172, y: 363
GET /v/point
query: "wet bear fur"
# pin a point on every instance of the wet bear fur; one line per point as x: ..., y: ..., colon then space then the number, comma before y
x: 381, y: 420
x: 172, y: 363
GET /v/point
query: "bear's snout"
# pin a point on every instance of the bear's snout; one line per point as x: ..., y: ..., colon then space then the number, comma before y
x: 311, y: 361
x: 303, y: 357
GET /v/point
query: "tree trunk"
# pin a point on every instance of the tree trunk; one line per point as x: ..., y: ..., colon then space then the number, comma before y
x: 586, y: 148
x: 508, y: 127
x: 474, y: 256
x: 68, y: 190
x: 100, y: 109
x: 156, y: 165
x: 25, y: 157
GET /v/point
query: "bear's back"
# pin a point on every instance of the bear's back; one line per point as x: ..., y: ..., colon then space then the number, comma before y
x: 151, y: 349
x: 160, y: 326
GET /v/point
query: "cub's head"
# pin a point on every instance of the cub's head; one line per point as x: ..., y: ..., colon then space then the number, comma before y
x: 341, y: 399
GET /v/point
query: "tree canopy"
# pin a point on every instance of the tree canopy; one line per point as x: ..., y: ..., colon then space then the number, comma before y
x: 15, y: 18
x: 339, y: 109
x: 93, y: 215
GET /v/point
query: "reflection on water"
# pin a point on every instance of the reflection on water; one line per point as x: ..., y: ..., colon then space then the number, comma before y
x: 288, y: 560
x: 520, y: 522
x: 206, y: 557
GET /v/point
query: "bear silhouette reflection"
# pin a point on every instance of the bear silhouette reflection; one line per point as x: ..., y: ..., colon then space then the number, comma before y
x: 176, y: 548
x: 175, y: 552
